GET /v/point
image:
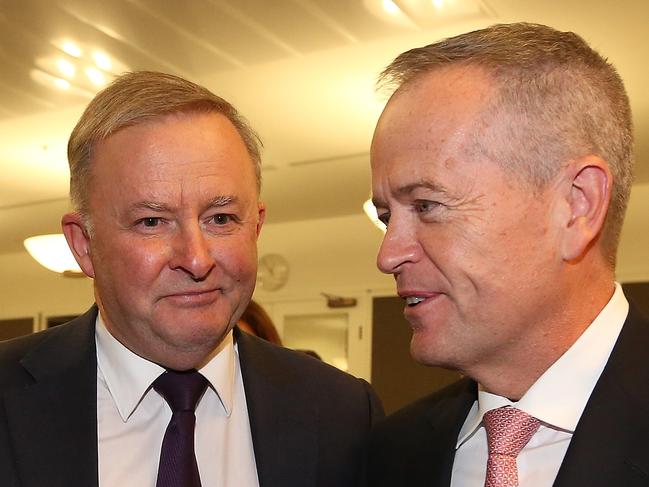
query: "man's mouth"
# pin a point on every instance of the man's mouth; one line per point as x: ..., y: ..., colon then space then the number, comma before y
x: 414, y: 300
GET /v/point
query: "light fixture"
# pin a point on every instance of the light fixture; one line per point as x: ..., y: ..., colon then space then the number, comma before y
x: 96, y: 76
x: 102, y: 60
x: 390, y: 12
x: 370, y: 211
x: 86, y: 67
x: 426, y: 14
x: 48, y: 80
x: 52, y: 252
x: 66, y: 68
x: 62, y: 83
x: 390, y: 7
x: 71, y: 48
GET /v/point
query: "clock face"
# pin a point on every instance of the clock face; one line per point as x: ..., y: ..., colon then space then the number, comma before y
x: 272, y: 273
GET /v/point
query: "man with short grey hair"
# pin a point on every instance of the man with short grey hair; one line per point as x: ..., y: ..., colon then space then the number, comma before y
x: 502, y: 166
x: 155, y: 385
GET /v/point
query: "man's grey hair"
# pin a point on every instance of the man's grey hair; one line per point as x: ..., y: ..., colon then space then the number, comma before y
x: 135, y: 98
x: 561, y: 100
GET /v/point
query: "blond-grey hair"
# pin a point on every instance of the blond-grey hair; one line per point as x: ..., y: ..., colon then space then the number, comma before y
x: 137, y: 97
x: 562, y: 100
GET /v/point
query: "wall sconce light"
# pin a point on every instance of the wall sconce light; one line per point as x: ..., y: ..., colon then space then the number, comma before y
x: 53, y: 253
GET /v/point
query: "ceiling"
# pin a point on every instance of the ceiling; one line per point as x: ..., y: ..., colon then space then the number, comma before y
x: 302, y: 71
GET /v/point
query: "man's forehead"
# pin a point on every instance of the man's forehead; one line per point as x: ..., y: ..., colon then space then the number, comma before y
x: 444, y: 92
x: 433, y: 120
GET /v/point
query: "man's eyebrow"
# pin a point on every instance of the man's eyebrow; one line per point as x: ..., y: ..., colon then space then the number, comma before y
x: 222, y: 201
x: 423, y: 184
x: 409, y: 188
x: 150, y: 205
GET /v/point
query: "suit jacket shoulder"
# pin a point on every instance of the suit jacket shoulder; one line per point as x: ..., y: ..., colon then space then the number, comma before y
x: 26, y: 359
x: 609, y: 446
x: 416, y: 445
x: 48, y: 419
x: 309, y: 421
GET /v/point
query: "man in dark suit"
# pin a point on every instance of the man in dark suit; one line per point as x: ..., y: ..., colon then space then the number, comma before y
x: 153, y: 385
x: 502, y: 167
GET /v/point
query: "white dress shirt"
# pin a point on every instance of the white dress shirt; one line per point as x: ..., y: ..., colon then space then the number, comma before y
x: 132, y: 419
x: 557, y: 399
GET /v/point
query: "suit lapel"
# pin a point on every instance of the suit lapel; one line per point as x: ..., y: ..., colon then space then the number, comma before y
x: 283, y: 426
x: 609, y: 446
x: 52, y: 422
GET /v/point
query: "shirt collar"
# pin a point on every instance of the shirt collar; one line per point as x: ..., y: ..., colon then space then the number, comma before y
x: 128, y: 376
x: 559, y: 396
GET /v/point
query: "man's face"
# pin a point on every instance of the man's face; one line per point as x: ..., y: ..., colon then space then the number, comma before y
x: 175, y: 218
x: 473, y: 250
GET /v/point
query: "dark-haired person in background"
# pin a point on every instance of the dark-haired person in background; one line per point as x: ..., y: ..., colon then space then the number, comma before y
x: 502, y: 166
x: 152, y: 386
x: 256, y: 321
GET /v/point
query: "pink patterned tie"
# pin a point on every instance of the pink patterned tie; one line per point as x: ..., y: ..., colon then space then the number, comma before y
x: 508, y: 431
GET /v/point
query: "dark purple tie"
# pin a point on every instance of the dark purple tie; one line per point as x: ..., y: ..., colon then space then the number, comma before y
x: 182, y: 391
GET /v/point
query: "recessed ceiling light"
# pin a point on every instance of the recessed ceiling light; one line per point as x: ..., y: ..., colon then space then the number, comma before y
x: 61, y: 83
x: 95, y: 76
x: 390, y: 7
x: 425, y: 14
x: 390, y: 12
x: 102, y: 60
x: 66, y: 68
x: 71, y: 48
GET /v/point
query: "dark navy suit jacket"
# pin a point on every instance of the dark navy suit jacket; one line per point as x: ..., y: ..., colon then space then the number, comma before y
x: 309, y: 421
x: 609, y: 448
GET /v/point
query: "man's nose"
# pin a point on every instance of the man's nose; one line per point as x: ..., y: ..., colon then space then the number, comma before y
x: 192, y: 253
x: 399, y: 246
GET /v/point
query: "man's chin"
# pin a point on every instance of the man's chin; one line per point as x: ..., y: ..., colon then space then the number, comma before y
x: 426, y: 351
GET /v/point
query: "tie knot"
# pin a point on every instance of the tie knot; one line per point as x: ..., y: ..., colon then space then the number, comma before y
x: 181, y: 390
x: 509, y: 430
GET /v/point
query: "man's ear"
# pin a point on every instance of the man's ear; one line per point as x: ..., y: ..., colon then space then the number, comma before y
x: 78, y: 240
x: 261, y: 217
x: 590, y: 184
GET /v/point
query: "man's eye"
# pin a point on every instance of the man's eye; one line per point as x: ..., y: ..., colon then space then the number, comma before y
x: 425, y: 206
x: 150, y: 221
x: 222, y: 219
x: 384, y: 218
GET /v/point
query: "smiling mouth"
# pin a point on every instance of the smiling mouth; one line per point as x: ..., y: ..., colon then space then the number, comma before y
x: 414, y: 300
